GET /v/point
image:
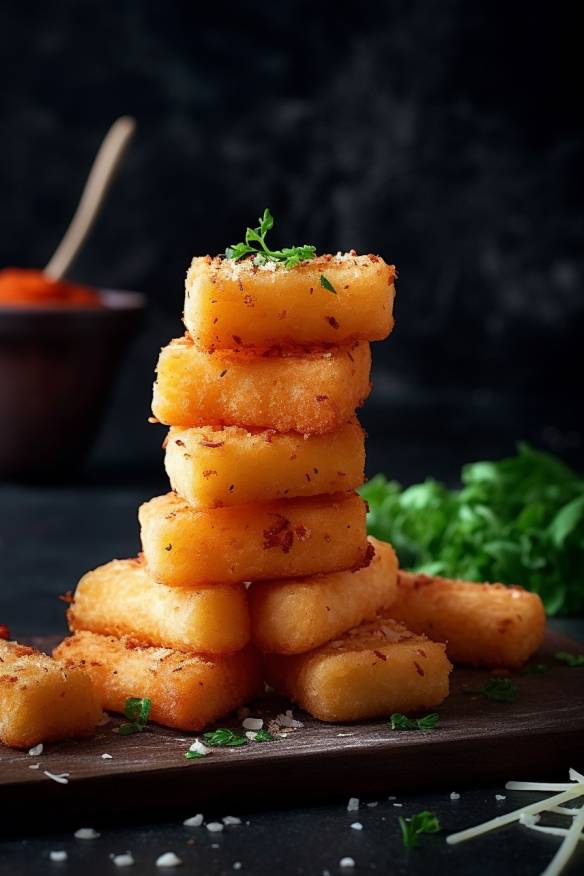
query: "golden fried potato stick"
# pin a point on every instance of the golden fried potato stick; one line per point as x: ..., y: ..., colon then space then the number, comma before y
x: 188, y: 691
x: 187, y: 547
x: 42, y: 701
x: 121, y: 599
x: 210, y: 468
x: 229, y: 305
x: 482, y: 624
x: 298, y: 614
x: 301, y: 391
x: 369, y: 672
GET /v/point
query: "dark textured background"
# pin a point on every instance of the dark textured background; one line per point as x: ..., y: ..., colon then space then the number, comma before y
x: 445, y: 135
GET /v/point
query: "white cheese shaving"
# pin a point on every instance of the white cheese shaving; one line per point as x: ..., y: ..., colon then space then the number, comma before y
x: 34, y: 766
x: 252, y: 723
x: 357, y: 825
x: 58, y: 856
x: 510, y: 817
x: 60, y: 778
x: 106, y: 756
x: 231, y: 819
x: 373, y: 805
x: 86, y: 833
x: 36, y: 750
x: 347, y: 862
x: 567, y: 847
x: 353, y: 804
x: 528, y: 820
x: 454, y: 796
x: 500, y: 796
x: 194, y: 821
x: 124, y: 860
x: 168, y: 859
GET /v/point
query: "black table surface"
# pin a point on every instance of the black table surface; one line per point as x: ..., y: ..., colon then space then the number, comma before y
x: 50, y: 535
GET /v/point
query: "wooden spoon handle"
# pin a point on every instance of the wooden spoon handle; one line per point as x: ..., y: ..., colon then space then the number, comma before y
x: 98, y: 182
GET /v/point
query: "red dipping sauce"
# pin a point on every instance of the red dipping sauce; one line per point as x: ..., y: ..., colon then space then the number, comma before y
x: 27, y: 287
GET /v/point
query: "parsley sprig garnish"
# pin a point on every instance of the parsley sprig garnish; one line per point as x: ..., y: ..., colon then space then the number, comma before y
x: 569, y: 659
x: 137, y: 711
x: 255, y: 244
x: 411, y: 828
x: 402, y: 722
x: 224, y: 738
x: 501, y: 689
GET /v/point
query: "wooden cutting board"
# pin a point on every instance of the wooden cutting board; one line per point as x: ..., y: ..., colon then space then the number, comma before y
x: 477, y: 740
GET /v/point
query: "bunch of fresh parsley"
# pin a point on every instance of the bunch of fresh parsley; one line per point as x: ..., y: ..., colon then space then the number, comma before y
x: 518, y: 520
x: 255, y: 244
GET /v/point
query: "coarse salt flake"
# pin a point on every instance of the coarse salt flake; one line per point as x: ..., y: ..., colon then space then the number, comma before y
x: 454, y: 796
x: 58, y: 856
x: 200, y: 748
x: 124, y: 860
x: 500, y: 796
x: 353, y: 804
x: 231, y: 819
x: 86, y: 833
x: 215, y: 827
x: 194, y: 821
x: 357, y: 825
x: 347, y: 862
x: 168, y: 859
x: 36, y: 750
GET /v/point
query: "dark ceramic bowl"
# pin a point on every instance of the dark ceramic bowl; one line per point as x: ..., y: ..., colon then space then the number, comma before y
x: 57, y: 366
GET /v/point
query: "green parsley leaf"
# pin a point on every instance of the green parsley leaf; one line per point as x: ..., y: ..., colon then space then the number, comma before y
x: 326, y: 284
x: 402, y: 722
x: 518, y: 520
x: 255, y: 244
x: 224, y: 738
x: 501, y: 689
x: 569, y: 659
x: 137, y: 711
x: 193, y: 755
x: 263, y: 736
x: 412, y: 828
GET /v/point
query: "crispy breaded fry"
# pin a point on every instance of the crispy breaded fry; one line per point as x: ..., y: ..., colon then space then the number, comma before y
x: 40, y: 700
x: 233, y: 304
x: 121, y: 599
x: 187, y: 547
x: 299, y: 614
x: 369, y: 672
x: 188, y: 691
x: 482, y: 624
x: 210, y: 468
x: 306, y: 392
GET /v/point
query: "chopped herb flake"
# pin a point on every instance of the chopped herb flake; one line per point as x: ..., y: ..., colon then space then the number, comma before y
x: 326, y: 284
x: 137, y: 711
x: 535, y: 669
x: 263, y: 736
x: 402, y: 722
x: 501, y: 689
x: 569, y: 659
x: 193, y: 755
x: 411, y: 828
x: 224, y: 738
x: 255, y: 244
